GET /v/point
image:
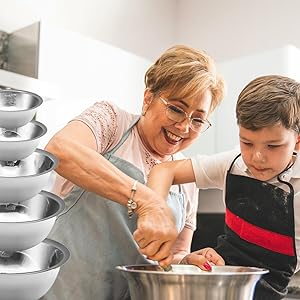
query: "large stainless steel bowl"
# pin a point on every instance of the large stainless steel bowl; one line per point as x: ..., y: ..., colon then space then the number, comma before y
x: 29, y: 274
x: 24, y: 225
x: 187, y: 282
x: 17, y: 107
x: 23, y: 179
x: 18, y: 143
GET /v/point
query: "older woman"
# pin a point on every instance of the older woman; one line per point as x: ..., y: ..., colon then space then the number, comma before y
x: 105, y: 155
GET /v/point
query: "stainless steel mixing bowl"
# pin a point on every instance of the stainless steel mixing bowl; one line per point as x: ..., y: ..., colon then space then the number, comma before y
x: 187, y: 282
x: 29, y: 274
x: 17, y: 107
x: 18, y: 143
x: 23, y: 179
x: 24, y: 225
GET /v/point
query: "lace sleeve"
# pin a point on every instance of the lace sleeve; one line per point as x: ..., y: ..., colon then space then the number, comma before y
x: 102, y: 120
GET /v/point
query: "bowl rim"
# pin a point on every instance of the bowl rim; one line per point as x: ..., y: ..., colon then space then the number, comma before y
x: 39, y: 98
x: 61, y: 208
x: 48, y: 154
x: 34, y: 122
x: 252, y: 271
x: 50, y: 242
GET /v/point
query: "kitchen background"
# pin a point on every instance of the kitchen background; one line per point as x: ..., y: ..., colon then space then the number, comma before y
x: 75, y: 52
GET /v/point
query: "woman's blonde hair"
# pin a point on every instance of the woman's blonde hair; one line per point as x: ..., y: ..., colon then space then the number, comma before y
x: 185, y: 72
x: 269, y: 100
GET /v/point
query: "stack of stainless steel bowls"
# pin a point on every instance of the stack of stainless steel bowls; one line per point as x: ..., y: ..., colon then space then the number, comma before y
x: 29, y: 262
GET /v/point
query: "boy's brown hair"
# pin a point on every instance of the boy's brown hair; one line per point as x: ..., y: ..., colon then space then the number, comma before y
x: 269, y: 100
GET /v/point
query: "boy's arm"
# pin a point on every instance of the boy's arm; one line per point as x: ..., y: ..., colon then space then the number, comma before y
x: 164, y: 175
x: 161, y: 178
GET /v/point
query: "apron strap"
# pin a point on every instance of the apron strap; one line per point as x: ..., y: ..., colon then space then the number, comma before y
x: 123, y: 138
x: 229, y: 170
x: 283, y: 181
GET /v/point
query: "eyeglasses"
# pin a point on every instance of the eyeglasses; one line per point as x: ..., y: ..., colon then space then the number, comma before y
x: 176, y: 114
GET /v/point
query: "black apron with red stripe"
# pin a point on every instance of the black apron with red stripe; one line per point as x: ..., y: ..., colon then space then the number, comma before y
x: 260, y: 232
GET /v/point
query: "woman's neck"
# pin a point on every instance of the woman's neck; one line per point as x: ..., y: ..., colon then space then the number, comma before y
x: 147, y: 146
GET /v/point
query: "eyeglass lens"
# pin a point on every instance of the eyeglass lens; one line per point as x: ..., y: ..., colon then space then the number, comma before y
x: 176, y: 114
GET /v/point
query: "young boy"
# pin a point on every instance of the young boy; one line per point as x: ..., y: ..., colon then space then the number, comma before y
x: 261, y: 183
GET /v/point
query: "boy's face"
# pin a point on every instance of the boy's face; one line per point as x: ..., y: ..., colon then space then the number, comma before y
x: 268, y: 151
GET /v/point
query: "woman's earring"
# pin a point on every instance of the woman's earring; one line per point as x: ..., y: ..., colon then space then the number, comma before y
x: 143, y: 112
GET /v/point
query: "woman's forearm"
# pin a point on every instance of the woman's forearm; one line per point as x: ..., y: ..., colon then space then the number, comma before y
x: 88, y: 169
x: 85, y: 167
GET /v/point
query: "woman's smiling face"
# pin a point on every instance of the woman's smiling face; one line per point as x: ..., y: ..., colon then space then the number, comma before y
x: 163, y: 136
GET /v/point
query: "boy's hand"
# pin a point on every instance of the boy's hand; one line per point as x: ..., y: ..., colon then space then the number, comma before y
x: 204, y: 258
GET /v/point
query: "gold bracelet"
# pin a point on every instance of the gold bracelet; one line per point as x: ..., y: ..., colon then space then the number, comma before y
x: 131, y: 204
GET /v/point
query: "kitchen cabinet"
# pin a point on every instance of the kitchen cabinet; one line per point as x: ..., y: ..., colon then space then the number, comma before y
x: 73, y: 72
x: 86, y: 71
x: 223, y: 135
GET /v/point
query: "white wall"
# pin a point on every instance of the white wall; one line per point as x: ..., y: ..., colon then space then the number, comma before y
x: 85, y: 71
x: 239, y: 72
x: 96, y: 50
x: 235, y: 28
x: 143, y: 27
x: 223, y: 135
x: 225, y: 29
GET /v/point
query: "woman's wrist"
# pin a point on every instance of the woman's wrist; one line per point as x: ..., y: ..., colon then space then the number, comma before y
x: 131, y: 204
x: 147, y: 200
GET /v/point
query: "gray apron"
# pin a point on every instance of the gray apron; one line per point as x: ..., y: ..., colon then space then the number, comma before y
x: 98, y: 233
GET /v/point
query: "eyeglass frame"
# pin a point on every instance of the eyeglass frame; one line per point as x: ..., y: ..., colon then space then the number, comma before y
x: 205, y: 122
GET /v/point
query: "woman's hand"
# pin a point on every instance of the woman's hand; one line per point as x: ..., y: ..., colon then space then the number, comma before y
x: 156, y: 231
x: 203, y: 258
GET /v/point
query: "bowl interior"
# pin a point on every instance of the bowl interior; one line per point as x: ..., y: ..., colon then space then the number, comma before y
x: 39, y: 162
x: 30, y: 131
x: 45, y: 256
x: 42, y: 206
x: 14, y: 100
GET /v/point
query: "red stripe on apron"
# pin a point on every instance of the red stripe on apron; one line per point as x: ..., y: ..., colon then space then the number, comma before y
x: 261, y: 237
